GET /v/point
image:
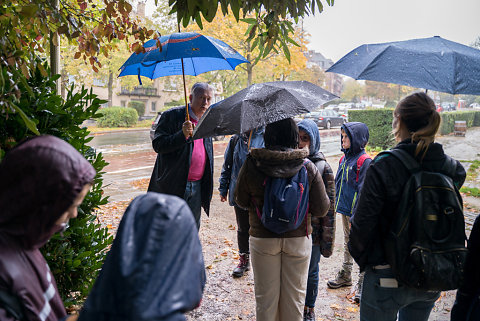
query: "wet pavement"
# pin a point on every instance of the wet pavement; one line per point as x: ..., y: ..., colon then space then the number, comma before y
x: 131, y: 159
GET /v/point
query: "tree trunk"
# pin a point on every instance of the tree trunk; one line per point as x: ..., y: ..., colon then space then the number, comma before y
x: 55, y: 50
x: 249, y: 68
x: 63, y: 83
x: 110, y: 88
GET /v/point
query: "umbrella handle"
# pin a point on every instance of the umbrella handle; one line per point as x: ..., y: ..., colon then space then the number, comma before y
x: 185, y: 91
x: 187, y: 116
x: 249, y: 139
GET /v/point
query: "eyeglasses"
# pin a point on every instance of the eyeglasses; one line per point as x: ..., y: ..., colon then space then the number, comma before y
x: 304, y: 138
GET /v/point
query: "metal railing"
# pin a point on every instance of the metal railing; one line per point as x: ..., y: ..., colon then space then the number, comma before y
x: 139, y: 91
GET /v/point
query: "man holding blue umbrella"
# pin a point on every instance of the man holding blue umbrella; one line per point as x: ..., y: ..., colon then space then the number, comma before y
x: 184, y: 167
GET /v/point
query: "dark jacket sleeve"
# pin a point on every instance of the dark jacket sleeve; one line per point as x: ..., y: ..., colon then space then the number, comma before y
x: 468, y: 294
x: 242, y: 190
x: 367, y: 215
x: 226, y: 173
x: 318, y: 199
x: 168, y: 134
x: 460, y: 175
x: 327, y: 223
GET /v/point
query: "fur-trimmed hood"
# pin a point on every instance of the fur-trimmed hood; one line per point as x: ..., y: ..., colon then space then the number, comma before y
x: 279, y: 163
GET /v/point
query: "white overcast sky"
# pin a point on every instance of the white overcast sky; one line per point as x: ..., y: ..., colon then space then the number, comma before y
x: 351, y: 23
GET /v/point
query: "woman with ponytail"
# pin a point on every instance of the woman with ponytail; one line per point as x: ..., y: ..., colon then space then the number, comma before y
x: 415, y: 124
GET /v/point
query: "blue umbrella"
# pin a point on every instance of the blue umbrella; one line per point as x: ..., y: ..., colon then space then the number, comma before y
x: 431, y: 63
x: 186, y: 53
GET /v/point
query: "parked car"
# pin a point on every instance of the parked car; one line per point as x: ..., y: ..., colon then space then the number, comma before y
x: 154, y: 125
x: 449, y: 106
x: 475, y: 105
x: 326, y: 118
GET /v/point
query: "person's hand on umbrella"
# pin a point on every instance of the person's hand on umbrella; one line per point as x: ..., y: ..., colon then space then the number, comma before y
x: 187, y: 129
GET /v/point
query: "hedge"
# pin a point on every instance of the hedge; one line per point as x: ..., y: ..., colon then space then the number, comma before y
x: 448, y: 120
x: 379, y: 122
x: 118, y: 117
x: 139, y: 106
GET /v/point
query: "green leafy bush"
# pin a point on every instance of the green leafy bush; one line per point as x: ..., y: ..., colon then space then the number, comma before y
x: 448, y: 120
x: 117, y: 117
x: 76, y: 257
x: 379, y: 122
x: 139, y: 106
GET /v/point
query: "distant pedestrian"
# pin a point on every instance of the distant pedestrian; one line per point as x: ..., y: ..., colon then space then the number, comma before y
x: 415, y: 125
x: 235, y: 155
x: 323, y: 228
x: 42, y: 182
x: 467, y: 302
x: 348, y: 184
x: 184, y: 167
x: 155, y: 269
x: 280, y: 261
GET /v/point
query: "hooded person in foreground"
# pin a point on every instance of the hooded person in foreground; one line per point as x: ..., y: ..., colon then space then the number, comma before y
x: 155, y: 269
x: 43, y: 181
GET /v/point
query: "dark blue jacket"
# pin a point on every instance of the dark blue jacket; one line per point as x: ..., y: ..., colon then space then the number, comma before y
x: 346, y: 185
x: 174, y: 156
x: 155, y: 268
x: 234, y: 157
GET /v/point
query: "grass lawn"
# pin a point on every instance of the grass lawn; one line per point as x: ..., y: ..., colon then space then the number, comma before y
x: 147, y: 123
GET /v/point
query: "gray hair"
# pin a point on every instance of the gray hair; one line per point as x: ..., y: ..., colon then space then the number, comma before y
x: 201, y: 87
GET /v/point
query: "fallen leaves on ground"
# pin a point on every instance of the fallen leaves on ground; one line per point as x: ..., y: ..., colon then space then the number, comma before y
x: 141, y: 184
x: 110, y: 214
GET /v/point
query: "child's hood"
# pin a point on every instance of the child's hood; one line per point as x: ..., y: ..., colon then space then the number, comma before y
x: 358, y: 134
x: 311, y: 129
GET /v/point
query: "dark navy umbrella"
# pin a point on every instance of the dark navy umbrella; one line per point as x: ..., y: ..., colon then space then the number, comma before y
x: 186, y: 53
x: 431, y: 63
x: 260, y: 104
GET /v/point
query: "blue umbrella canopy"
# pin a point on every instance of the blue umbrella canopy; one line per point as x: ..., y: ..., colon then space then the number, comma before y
x: 431, y: 63
x: 199, y: 53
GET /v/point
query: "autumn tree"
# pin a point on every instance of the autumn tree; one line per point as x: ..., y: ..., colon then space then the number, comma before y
x: 386, y: 91
x: 276, y: 66
x: 353, y: 90
x: 271, y: 25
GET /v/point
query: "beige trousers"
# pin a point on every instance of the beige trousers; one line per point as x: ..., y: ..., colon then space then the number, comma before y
x: 280, y: 269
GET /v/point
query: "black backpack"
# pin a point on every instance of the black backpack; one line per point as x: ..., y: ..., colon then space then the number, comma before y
x: 426, y: 242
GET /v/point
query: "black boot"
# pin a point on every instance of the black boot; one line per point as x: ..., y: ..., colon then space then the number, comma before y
x: 243, y: 265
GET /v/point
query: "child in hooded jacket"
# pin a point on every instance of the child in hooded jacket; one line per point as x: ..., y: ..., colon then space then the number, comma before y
x: 348, y: 184
x: 323, y: 228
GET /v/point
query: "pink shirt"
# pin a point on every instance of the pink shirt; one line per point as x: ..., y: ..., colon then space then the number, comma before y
x: 199, y: 158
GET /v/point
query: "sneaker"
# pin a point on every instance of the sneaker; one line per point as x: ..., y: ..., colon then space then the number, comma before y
x: 243, y: 265
x: 343, y: 279
x: 309, y: 314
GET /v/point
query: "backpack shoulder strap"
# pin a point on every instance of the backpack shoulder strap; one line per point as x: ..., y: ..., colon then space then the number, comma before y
x: 11, y: 303
x: 360, y: 162
x: 408, y: 161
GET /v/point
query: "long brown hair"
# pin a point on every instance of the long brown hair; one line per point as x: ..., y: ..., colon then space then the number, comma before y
x: 418, y: 114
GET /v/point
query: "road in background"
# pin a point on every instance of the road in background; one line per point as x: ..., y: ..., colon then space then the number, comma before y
x: 132, y: 157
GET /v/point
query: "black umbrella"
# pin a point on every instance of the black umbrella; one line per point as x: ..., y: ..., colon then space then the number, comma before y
x: 260, y: 104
